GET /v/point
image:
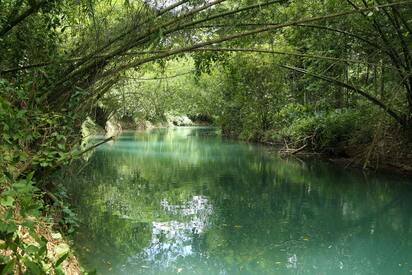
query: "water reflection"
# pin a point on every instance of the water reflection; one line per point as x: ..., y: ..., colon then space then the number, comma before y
x: 187, y: 201
x: 174, y: 239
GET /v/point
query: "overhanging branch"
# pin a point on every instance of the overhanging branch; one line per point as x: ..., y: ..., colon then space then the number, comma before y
x: 245, y: 34
x: 337, y: 82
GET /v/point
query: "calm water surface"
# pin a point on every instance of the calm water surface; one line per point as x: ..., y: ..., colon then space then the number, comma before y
x: 186, y: 201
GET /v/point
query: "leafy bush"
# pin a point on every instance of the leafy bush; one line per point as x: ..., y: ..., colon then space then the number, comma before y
x: 31, y: 139
x: 23, y: 248
x: 288, y: 114
x: 324, y: 131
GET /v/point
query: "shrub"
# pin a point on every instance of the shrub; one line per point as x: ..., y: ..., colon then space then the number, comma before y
x: 324, y: 131
x: 288, y: 114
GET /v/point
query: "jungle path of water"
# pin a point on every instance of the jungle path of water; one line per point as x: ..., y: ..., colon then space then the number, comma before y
x: 186, y: 201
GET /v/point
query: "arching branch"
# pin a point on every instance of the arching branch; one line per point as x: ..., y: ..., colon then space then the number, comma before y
x: 32, y: 9
x: 296, y: 54
x: 158, y: 78
x: 337, y: 82
x: 244, y: 34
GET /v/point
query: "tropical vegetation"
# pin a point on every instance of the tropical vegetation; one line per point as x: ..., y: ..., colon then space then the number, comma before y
x: 332, y: 77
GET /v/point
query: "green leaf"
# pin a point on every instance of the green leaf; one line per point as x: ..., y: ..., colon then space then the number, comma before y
x: 8, y: 228
x: 3, y: 260
x: 31, y: 249
x: 30, y: 176
x: 33, y: 268
x: 61, y: 259
x: 8, y: 175
x: 42, y: 250
x: 93, y: 272
x: 7, y: 201
x: 59, y: 271
x: 8, y: 268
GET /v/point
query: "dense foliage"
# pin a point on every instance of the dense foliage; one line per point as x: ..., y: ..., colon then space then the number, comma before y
x: 310, y: 73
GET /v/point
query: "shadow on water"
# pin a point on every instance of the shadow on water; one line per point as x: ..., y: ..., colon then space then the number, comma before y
x: 186, y: 201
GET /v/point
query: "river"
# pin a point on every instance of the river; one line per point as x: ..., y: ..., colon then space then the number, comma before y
x: 187, y: 201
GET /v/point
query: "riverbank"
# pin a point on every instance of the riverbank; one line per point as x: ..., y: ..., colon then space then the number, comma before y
x: 357, y: 137
x: 37, y: 242
x: 403, y: 167
x: 368, y: 157
x: 396, y: 168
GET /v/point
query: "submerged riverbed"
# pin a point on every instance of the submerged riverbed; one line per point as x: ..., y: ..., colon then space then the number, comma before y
x: 186, y: 201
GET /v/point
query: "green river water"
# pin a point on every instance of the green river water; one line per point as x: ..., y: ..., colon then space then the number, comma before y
x: 186, y: 201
